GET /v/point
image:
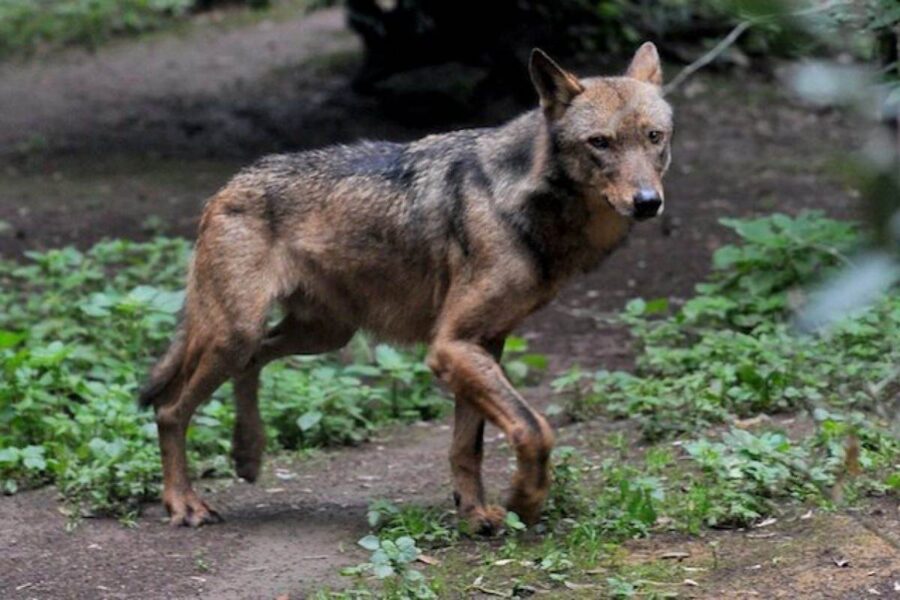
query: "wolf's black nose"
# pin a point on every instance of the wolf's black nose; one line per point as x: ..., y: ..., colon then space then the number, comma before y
x: 646, y: 203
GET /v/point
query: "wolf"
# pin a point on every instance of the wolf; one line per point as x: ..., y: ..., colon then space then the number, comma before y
x: 451, y: 240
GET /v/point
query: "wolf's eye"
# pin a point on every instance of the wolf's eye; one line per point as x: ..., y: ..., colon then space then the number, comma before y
x: 600, y: 142
x: 655, y: 136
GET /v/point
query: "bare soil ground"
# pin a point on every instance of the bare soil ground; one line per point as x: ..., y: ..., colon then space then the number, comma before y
x: 129, y: 141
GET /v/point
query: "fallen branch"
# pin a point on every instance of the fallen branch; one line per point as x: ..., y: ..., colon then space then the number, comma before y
x: 710, y: 56
x: 736, y: 33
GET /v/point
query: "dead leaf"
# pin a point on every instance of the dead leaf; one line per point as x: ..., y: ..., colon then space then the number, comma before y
x: 807, y: 515
x: 675, y: 555
x: 491, y: 592
x: 752, y: 422
x: 690, y: 582
x: 580, y: 586
x: 503, y: 562
x: 282, y: 597
x: 841, y: 562
x: 767, y: 522
x: 428, y: 560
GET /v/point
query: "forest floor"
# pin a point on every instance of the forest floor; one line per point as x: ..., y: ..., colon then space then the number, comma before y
x: 129, y: 140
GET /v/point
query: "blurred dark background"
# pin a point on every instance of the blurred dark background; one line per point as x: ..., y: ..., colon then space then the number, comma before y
x: 117, y: 118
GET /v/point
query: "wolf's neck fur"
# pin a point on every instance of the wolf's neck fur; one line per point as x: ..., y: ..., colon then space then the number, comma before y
x: 568, y: 227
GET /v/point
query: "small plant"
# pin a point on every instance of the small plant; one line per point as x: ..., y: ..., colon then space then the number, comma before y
x: 430, y: 527
x: 391, y: 563
x: 520, y: 365
x: 566, y: 498
x: 620, y: 588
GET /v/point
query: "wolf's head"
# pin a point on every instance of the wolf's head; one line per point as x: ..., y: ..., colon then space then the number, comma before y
x: 610, y: 135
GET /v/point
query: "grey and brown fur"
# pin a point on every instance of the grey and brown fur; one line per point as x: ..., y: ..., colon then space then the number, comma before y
x: 450, y: 240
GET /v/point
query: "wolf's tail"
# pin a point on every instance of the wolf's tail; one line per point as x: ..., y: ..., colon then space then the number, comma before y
x: 164, y: 373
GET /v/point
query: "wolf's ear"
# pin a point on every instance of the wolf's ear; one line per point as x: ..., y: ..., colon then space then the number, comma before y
x: 645, y: 65
x: 555, y: 86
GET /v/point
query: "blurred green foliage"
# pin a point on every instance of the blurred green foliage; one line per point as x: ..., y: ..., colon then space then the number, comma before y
x: 27, y: 25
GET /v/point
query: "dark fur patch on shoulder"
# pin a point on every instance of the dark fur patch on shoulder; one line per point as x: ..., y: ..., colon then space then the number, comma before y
x: 386, y: 160
x: 456, y: 207
x: 523, y: 228
x: 466, y: 170
x: 272, y: 215
x: 518, y: 159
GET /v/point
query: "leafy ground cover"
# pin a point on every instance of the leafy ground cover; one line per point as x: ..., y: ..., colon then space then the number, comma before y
x: 710, y: 373
x: 77, y: 334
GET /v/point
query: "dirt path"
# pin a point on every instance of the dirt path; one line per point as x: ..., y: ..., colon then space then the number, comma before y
x: 97, y: 144
x: 126, y: 93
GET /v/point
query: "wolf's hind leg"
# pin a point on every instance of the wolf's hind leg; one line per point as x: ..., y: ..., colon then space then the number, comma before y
x: 185, y: 507
x: 291, y: 336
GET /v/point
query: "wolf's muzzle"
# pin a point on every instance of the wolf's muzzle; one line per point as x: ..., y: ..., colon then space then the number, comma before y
x: 646, y: 204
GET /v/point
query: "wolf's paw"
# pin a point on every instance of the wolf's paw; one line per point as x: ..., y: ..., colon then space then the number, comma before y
x: 528, y: 508
x: 190, y: 510
x: 247, y: 468
x: 485, y: 520
x: 247, y: 452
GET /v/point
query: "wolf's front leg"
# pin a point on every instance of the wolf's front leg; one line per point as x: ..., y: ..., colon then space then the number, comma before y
x: 475, y: 377
x: 466, y: 453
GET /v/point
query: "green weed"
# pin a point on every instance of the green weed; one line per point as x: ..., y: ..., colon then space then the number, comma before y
x: 391, y: 563
x: 730, y: 351
x: 429, y: 527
